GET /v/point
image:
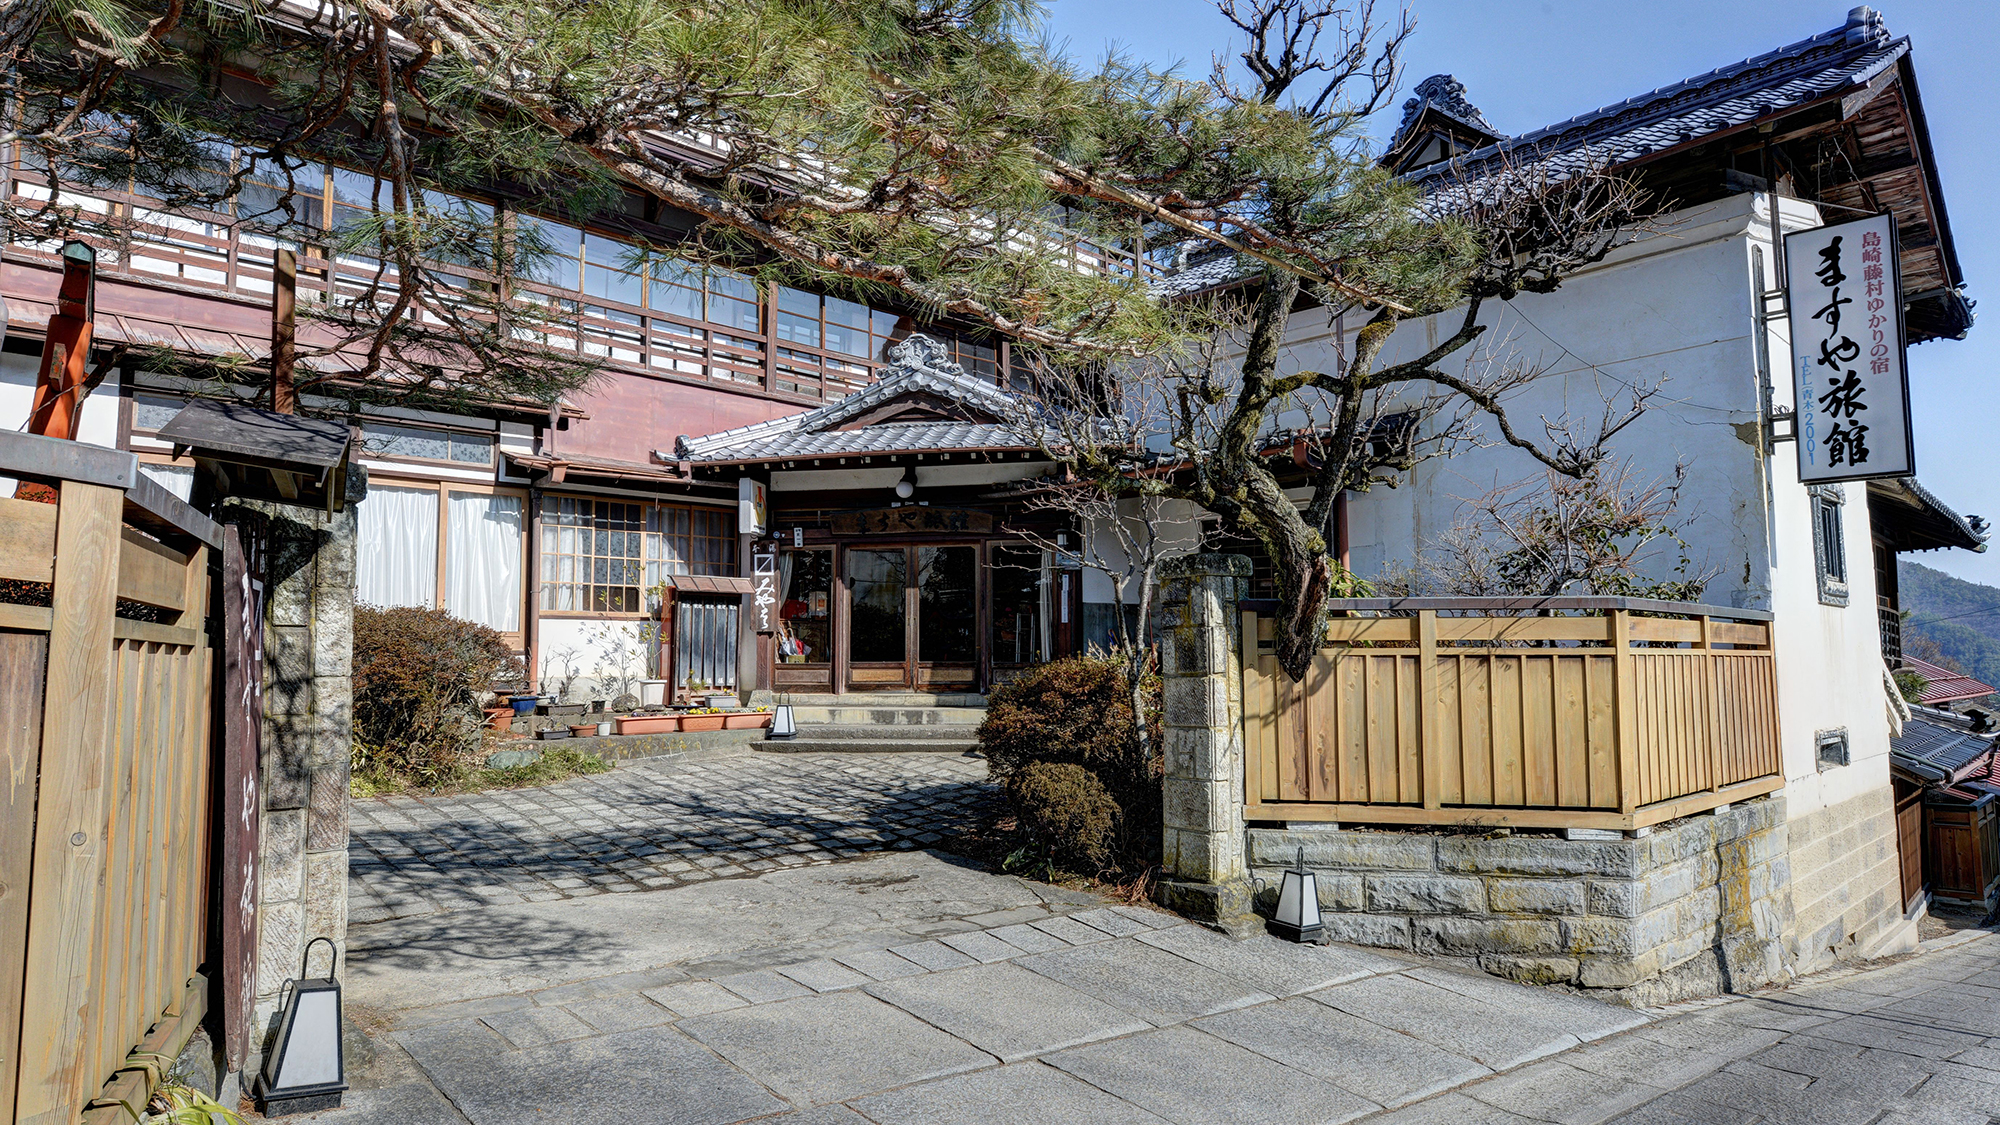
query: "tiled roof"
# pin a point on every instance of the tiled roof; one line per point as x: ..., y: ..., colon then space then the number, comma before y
x: 1938, y: 752
x: 917, y: 365
x: 1844, y: 58
x: 1941, y: 685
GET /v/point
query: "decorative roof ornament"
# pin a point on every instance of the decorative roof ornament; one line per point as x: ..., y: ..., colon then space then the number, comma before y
x: 1448, y: 94
x: 1866, y: 25
x: 922, y: 353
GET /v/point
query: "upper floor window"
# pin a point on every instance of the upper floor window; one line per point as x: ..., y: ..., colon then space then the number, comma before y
x: 383, y: 440
x: 1830, y: 542
x: 833, y: 324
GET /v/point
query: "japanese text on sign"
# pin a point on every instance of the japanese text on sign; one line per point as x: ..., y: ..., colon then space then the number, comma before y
x: 1845, y: 294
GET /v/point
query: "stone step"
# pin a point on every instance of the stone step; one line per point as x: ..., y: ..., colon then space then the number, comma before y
x: 877, y: 699
x: 892, y: 716
x: 957, y: 732
x: 812, y: 742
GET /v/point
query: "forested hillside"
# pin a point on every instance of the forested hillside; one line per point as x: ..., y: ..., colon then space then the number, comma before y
x: 1962, y: 618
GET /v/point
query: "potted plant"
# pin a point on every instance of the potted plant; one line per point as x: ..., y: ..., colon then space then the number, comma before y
x: 583, y: 730
x: 703, y: 718
x: 648, y: 724
x: 552, y: 734
x: 747, y: 720
x: 653, y: 689
x: 499, y: 718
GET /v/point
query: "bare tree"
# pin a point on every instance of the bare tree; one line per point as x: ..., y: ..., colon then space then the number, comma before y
x: 1600, y: 533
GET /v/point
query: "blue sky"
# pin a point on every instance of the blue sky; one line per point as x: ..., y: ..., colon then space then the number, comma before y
x: 1527, y: 64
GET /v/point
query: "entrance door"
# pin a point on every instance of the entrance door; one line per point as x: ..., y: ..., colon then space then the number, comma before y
x: 913, y: 617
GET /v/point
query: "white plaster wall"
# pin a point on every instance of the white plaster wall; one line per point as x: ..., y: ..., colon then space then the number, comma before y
x: 591, y: 651
x: 1679, y: 305
x: 1176, y: 524
x: 17, y: 398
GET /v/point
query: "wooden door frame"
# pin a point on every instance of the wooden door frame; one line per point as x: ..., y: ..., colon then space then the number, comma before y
x: 843, y: 598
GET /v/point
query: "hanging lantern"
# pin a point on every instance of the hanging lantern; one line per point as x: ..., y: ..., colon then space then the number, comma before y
x: 1297, y: 916
x: 304, y: 1069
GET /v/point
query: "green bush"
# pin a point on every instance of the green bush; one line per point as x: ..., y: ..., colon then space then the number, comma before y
x: 1067, y: 808
x: 1077, y: 712
x: 419, y: 677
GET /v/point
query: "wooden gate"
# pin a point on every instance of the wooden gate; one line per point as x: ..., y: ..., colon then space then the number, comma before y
x: 1554, y: 713
x: 105, y: 680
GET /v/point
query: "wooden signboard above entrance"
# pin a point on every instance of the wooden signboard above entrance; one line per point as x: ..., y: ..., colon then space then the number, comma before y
x: 912, y: 520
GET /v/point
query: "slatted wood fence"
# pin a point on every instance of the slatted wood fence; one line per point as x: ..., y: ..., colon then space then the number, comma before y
x: 105, y: 681
x: 1577, y: 712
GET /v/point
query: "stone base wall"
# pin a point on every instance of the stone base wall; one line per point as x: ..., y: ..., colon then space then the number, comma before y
x: 1699, y: 907
x: 1846, y: 884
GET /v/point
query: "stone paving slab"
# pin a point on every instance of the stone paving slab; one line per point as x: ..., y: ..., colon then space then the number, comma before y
x: 1188, y: 1077
x: 595, y: 1079
x: 833, y: 1047
x: 1026, y: 1094
x: 1007, y: 1011
x: 1280, y: 968
x: 1385, y: 1067
x: 1491, y: 1036
x: 1150, y: 983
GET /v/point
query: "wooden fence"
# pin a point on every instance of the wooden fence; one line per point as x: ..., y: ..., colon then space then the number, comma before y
x: 1554, y: 713
x: 105, y: 680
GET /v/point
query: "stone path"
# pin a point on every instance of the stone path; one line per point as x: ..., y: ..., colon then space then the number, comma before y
x: 909, y: 988
x: 650, y: 825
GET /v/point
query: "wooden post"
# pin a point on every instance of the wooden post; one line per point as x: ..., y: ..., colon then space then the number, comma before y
x: 1711, y: 677
x: 69, y: 821
x: 284, y: 331
x: 1427, y: 708
x: 1628, y: 710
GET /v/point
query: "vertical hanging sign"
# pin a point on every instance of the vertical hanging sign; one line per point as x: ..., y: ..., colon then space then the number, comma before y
x: 1845, y: 291
x: 764, y: 585
x: 753, y: 507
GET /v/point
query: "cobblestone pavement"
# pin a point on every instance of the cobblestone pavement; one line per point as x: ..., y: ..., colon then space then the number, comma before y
x: 650, y: 825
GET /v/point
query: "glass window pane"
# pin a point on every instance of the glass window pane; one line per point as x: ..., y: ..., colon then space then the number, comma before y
x: 472, y: 449
x: 1016, y: 578
x: 805, y: 607
x: 798, y: 330
x: 876, y: 580
x: 946, y: 604
x: 612, y: 285
x: 676, y: 300
x: 743, y: 316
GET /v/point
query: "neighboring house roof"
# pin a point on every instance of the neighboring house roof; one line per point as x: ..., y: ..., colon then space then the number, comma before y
x: 1942, y: 685
x: 959, y: 412
x: 1909, y: 517
x: 1844, y: 58
x: 1938, y: 753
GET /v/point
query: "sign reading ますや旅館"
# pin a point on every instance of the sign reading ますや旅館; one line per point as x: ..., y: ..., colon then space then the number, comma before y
x: 1845, y: 293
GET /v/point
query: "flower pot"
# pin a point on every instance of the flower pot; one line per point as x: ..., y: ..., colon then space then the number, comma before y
x: 553, y: 733
x: 563, y: 709
x: 523, y: 704
x: 648, y: 724
x: 607, y: 728
x: 584, y: 730
x: 596, y: 706
x: 724, y: 701
x: 703, y: 722
x: 746, y: 720
x: 652, y: 693
x: 499, y: 718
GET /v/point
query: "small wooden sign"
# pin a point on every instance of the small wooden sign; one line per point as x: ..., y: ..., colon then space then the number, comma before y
x: 242, y: 721
x: 912, y: 520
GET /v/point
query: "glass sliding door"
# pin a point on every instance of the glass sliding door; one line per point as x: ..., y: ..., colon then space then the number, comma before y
x: 1020, y: 633
x: 947, y: 615
x: 878, y: 617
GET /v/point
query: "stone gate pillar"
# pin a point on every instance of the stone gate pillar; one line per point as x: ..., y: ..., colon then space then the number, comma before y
x: 1200, y: 664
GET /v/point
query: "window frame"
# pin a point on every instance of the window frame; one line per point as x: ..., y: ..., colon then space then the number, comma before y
x: 651, y: 515
x: 444, y: 489
x: 1827, y: 505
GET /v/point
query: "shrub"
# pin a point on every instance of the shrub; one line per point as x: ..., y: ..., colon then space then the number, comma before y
x: 1078, y: 712
x: 419, y: 676
x: 1067, y: 809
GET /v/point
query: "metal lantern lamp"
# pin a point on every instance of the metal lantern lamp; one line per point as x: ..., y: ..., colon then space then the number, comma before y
x: 305, y: 1069
x: 1297, y: 916
x: 783, y: 725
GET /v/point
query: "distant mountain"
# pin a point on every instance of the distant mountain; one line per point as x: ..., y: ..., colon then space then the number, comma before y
x: 1962, y: 617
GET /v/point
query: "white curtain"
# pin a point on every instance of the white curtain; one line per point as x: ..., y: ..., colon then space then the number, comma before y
x: 395, y: 559
x: 482, y: 559
x: 174, y: 478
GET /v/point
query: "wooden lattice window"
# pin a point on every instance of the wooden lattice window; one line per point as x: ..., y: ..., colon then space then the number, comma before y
x: 593, y: 555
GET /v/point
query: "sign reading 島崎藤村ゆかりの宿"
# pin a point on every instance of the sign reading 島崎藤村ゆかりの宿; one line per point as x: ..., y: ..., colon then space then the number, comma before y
x: 1845, y: 292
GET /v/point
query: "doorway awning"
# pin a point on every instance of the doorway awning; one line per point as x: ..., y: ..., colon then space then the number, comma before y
x: 708, y: 584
